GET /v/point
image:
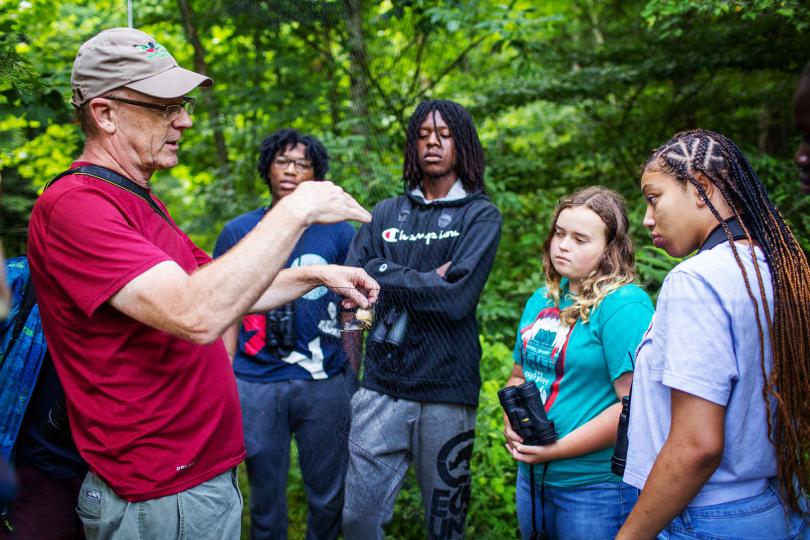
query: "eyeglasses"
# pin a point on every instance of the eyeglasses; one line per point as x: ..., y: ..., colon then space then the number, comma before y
x: 170, y: 112
x: 301, y: 165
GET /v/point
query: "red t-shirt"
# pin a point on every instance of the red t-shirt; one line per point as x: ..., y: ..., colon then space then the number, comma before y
x: 152, y: 414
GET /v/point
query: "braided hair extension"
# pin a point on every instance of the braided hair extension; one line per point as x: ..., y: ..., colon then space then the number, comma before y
x: 684, y: 157
x: 285, y: 138
x: 469, y: 153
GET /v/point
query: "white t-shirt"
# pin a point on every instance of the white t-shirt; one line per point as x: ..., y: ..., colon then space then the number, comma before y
x: 704, y: 341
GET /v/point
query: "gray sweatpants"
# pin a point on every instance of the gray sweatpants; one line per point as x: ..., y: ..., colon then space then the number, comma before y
x: 386, y: 435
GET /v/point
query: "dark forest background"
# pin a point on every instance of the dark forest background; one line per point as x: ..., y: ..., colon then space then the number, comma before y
x: 565, y: 94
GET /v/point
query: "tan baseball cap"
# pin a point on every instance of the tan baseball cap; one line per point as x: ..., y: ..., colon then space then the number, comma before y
x: 128, y: 57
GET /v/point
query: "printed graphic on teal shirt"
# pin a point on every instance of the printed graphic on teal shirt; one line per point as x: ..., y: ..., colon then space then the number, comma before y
x: 543, y: 342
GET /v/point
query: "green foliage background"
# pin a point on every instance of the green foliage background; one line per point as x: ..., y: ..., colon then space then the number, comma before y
x: 565, y: 94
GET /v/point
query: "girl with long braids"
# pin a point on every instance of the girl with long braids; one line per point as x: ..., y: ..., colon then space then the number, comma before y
x: 720, y: 417
x: 575, y: 342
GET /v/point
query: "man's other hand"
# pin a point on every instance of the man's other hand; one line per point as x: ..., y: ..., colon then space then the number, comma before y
x: 358, y: 288
x: 324, y: 202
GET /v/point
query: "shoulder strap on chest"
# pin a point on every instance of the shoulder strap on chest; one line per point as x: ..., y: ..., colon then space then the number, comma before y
x: 112, y: 177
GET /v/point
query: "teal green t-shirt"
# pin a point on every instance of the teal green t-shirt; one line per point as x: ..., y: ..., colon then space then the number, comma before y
x: 574, y: 369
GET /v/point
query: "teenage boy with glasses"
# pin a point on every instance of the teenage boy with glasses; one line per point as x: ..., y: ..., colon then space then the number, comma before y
x: 290, y: 361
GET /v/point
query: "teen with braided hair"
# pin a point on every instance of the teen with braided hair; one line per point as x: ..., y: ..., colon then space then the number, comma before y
x: 720, y: 420
x: 432, y: 249
x: 575, y: 341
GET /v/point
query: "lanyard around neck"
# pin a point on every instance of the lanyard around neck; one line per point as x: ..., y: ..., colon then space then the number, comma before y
x: 718, y: 235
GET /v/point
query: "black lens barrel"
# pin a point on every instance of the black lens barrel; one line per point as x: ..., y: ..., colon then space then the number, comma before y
x: 510, y: 401
x: 392, y: 328
x: 397, y: 332
x: 527, y: 415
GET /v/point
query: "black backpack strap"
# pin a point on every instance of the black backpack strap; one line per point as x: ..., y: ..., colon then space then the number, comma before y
x: 29, y: 299
x: 60, y: 175
x: 112, y: 177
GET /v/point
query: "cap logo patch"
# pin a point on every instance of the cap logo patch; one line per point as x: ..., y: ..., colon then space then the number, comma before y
x: 155, y: 49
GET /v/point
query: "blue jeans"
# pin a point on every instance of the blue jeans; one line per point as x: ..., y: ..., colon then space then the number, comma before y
x: 573, y: 513
x: 760, y: 517
x: 317, y: 412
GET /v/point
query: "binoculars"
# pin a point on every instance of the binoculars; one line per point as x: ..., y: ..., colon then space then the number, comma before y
x: 619, y: 458
x: 392, y: 328
x: 280, y: 330
x: 527, y: 416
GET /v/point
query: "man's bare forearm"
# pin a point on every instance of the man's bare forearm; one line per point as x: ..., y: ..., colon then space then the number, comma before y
x: 228, y: 287
x: 289, y: 284
x: 200, y: 307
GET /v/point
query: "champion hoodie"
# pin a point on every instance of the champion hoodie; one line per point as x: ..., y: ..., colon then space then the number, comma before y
x: 403, y: 245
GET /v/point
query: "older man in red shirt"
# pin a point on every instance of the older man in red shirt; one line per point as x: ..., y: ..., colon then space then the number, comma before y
x: 133, y: 311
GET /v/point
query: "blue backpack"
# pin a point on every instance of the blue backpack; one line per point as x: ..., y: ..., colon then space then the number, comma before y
x: 23, y: 348
x: 21, y: 339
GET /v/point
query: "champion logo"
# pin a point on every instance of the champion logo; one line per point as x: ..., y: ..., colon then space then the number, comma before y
x: 398, y: 235
x: 390, y: 235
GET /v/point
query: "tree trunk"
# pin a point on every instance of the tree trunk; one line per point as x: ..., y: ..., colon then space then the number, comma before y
x: 358, y: 67
x: 187, y: 16
x: 333, y: 92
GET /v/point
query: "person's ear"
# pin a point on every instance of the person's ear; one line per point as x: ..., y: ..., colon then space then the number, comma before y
x: 103, y: 115
x: 707, y: 186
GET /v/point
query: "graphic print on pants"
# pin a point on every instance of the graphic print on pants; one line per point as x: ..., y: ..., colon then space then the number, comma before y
x: 448, y: 507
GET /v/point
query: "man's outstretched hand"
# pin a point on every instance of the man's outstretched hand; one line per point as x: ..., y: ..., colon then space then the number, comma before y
x: 323, y: 202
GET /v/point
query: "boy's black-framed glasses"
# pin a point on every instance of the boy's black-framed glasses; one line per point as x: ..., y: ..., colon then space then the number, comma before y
x: 170, y: 112
x: 301, y: 165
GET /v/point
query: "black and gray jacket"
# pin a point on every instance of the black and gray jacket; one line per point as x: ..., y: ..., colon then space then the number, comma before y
x: 406, y: 241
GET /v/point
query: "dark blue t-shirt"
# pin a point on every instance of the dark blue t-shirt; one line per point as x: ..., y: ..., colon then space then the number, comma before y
x: 318, y: 351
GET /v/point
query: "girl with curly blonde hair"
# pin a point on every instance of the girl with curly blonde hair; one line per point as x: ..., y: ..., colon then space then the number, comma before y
x: 576, y: 341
